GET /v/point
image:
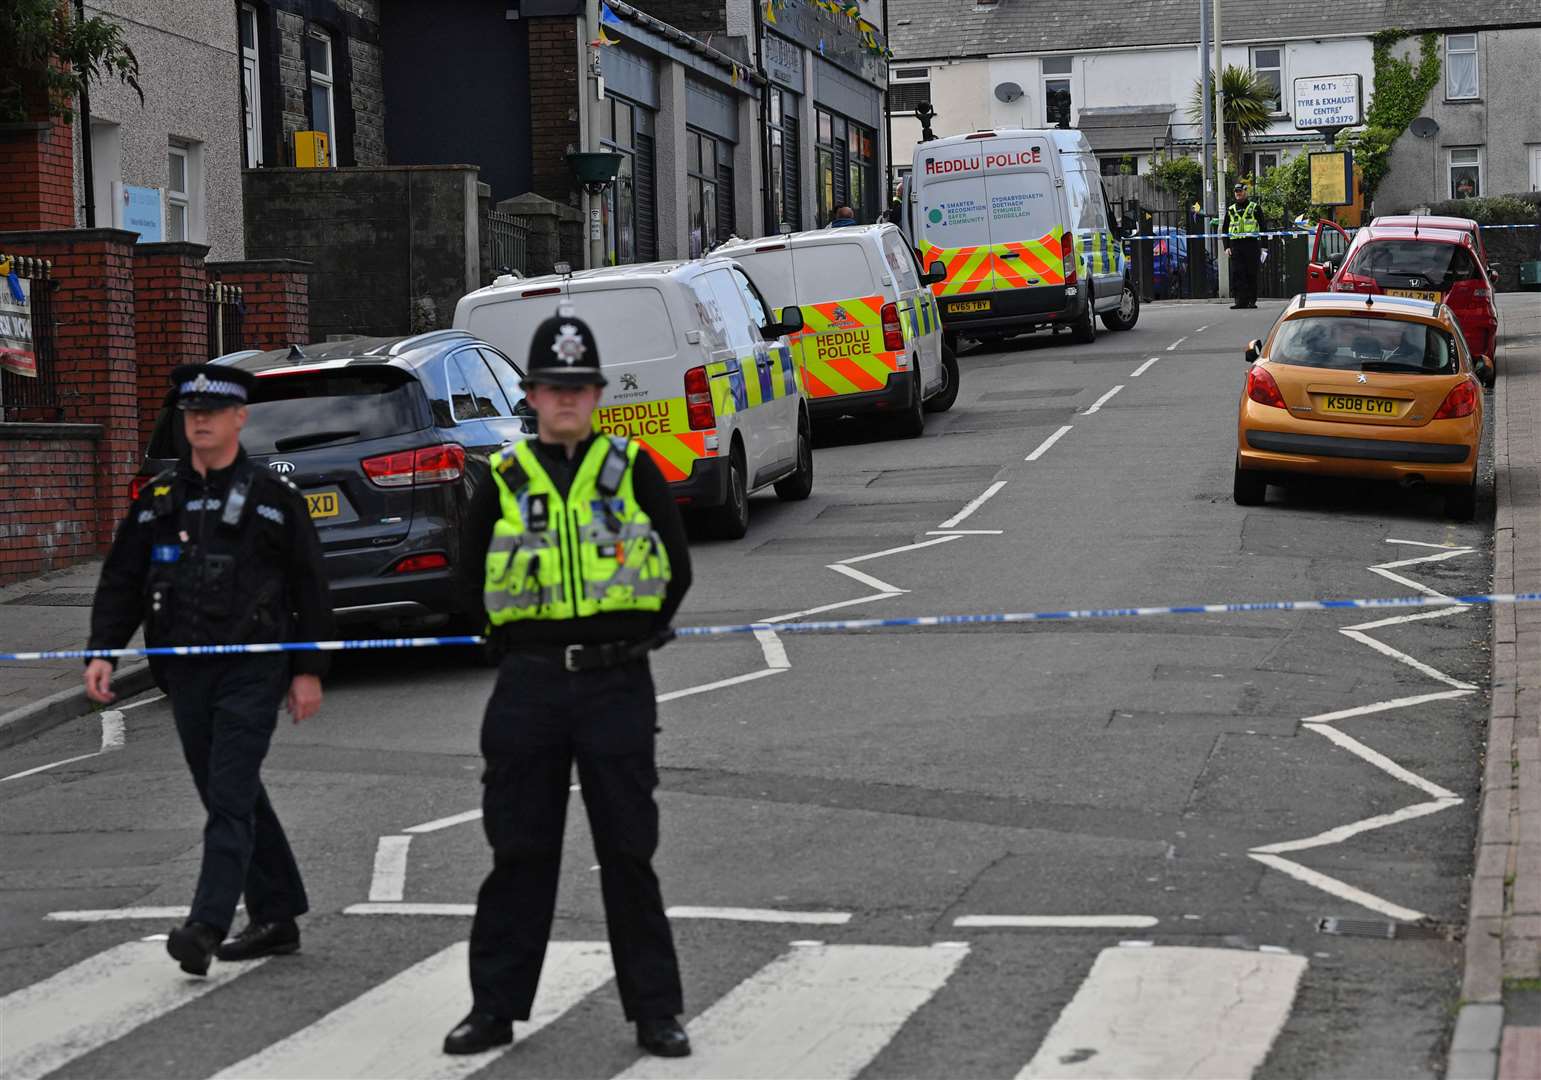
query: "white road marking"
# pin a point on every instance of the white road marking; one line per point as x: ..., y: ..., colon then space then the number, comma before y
x: 89, y: 1004
x: 720, y: 684
x: 1441, y: 557
x: 1333, y: 886
x: 910, y: 547
x: 972, y: 505
x: 791, y: 615
x: 1397, y: 620
x: 1103, y: 400
x: 1345, y: 832
x: 1384, y: 764
x: 1176, y: 343
x: 1412, y: 662
x: 445, y: 822
x: 1201, y: 329
x: 761, y: 915
x: 119, y: 914
x: 1143, y: 368
x: 51, y: 765
x: 775, y: 652
x: 1420, y: 543
x: 395, y: 1029
x: 390, y: 875
x: 1383, y: 706
x: 142, y: 704
x: 465, y: 910
x: 1171, y: 1011
x: 112, y: 739
x: 815, y: 1011
x: 965, y: 532
x: 865, y: 578
x: 1043, y: 447
x: 1091, y: 922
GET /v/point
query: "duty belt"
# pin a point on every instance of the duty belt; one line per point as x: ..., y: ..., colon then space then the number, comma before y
x: 611, y: 654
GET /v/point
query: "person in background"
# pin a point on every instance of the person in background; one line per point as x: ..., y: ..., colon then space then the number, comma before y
x: 844, y: 216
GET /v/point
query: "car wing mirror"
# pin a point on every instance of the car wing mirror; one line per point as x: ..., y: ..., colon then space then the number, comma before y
x: 934, y: 273
x: 791, y: 322
x: 1254, y: 350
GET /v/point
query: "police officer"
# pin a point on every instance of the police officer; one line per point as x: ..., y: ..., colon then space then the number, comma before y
x: 215, y: 551
x: 1243, y: 222
x: 577, y: 551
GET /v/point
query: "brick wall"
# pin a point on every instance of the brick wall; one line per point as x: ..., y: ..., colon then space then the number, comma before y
x: 697, y: 17
x: 276, y: 293
x: 48, y: 497
x: 170, y: 320
x: 554, y: 98
x: 37, y: 177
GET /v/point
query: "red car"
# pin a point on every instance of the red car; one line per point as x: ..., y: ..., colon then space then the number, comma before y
x: 1417, y: 260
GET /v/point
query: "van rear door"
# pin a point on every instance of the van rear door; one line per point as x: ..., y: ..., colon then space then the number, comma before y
x: 952, y: 223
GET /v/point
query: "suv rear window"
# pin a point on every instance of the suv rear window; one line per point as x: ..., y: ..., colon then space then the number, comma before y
x: 1354, y: 343
x: 1413, y: 264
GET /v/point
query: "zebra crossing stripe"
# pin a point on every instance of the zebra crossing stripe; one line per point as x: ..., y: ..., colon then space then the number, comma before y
x: 395, y: 1029
x: 817, y: 1010
x: 1170, y: 1011
x: 89, y: 1004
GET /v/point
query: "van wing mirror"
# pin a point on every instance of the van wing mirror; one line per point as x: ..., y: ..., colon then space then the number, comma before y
x: 934, y: 273
x: 791, y: 322
x: 1254, y: 350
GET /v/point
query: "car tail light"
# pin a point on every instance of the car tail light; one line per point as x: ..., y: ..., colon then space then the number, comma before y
x: 1069, y: 259
x: 431, y: 465
x: 893, y: 333
x: 551, y: 291
x: 1346, y: 282
x: 1482, y: 294
x: 698, y: 400
x: 1461, y: 401
x: 411, y: 564
x: 1262, y: 389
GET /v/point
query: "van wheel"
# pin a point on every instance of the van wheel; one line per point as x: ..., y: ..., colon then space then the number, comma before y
x: 799, y: 485
x: 912, y: 421
x: 730, y: 521
x: 1249, y: 488
x: 1461, y: 502
x: 1128, y: 312
x: 943, y: 400
x: 1085, y: 330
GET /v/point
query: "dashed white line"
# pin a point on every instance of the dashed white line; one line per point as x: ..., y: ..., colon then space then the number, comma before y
x: 1103, y: 400
x: 775, y: 652
x: 452, y: 910
x: 1176, y: 343
x: 965, y: 532
x: 389, y: 881
x: 1143, y: 368
x: 119, y: 914
x: 1043, y: 447
x: 1201, y: 329
x: 761, y: 915
x: 445, y: 822
x: 1055, y: 922
x: 972, y: 505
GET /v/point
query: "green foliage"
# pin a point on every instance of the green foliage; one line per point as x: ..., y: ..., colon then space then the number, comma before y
x: 1284, y: 192
x: 1401, y: 88
x: 1248, y: 107
x: 45, y: 51
x: 1494, y: 210
x: 1181, y: 176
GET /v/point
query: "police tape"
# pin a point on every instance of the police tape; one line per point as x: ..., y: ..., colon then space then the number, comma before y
x: 1175, y: 233
x: 824, y: 627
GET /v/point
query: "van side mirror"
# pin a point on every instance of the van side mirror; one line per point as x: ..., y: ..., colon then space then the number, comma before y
x: 1254, y: 350
x: 934, y: 273
x: 791, y: 322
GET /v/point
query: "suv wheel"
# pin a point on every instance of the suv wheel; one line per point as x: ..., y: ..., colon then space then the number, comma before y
x: 943, y: 399
x: 730, y: 521
x: 1128, y: 312
x: 1085, y: 329
x: 799, y: 485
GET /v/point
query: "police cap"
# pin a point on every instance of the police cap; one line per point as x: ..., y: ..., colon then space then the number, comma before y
x: 563, y: 353
x: 1239, y: 188
x: 207, y: 387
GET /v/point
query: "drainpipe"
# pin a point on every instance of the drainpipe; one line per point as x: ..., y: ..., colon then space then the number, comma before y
x: 767, y: 204
x: 87, y: 184
x: 888, y: 125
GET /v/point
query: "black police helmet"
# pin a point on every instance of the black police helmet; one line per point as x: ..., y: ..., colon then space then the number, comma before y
x: 563, y: 353
x: 208, y: 387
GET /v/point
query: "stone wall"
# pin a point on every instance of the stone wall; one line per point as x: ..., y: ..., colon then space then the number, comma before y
x: 358, y: 85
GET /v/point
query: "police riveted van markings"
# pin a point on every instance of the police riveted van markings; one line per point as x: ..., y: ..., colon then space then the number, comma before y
x: 843, y: 343
x: 999, y: 160
x: 643, y: 418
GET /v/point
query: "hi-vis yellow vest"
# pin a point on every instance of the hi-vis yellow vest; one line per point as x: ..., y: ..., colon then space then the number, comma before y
x: 553, y: 558
x: 1242, y: 220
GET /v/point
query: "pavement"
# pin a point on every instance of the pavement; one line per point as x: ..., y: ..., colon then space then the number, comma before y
x: 1249, y: 840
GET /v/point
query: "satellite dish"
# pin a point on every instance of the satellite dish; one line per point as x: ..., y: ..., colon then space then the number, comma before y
x: 1424, y: 127
x: 1007, y: 92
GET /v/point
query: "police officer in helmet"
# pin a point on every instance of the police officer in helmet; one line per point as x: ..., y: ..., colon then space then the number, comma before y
x: 1243, y: 221
x: 220, y: 551
x: 577, y: 552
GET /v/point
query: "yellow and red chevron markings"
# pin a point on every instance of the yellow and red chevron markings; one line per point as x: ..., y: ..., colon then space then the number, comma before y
x: 840, y: 348
x: 1009, y: 265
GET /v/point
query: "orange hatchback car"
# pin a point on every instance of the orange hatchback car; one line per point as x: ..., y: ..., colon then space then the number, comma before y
x: 1378, y: 387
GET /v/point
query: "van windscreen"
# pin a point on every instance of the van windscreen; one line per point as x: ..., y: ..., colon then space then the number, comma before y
x: 832, y: 272
x: 629, y: 323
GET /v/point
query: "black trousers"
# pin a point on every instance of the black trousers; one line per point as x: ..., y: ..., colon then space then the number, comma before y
x: 225, y: 710
x: 540, y: 720
x: 1244, y: 268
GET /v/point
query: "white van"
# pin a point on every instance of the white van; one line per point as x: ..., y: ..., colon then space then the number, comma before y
x: 700, y: 373
x: 871, y: 341
x: 1021, y: 227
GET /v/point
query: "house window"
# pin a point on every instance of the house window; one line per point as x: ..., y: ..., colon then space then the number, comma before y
x: 1461, y: 65
x: 708, y: 163
x: 1256, y: 163
x: 1465, y: 172
x: 179, y: 202
x: 251, y: 86
x: 908, y: 87
x: 847, y: 172
x: 786, y: 160
x: 1056, y: 91
x: 318, y: 59
x: 1128, y: 165
x: 1268, y: 66
x: 629, y: 203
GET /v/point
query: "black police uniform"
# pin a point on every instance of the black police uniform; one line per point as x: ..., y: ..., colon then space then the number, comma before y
x: 1246, y: 253
x: 542, y: 717
x: 230, y: 557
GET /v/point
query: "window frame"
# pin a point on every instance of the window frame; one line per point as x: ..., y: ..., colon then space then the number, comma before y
x: 1476, y: 68
x: 180, y: 198
x: 327, y: 79
x: 1451, y: 165
x: 251, y: 82
x: 641, y: 122
x: 1045, y: 77
x: 699, y: 181
x: 1279, y: 108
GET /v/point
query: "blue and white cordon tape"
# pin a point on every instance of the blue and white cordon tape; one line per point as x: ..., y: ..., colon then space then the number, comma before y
x: 1177, y: 231
x: 831, y: 626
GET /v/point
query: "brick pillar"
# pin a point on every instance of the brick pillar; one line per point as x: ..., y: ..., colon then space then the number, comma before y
x: 94, y: 306
x: 555, y: 98
x: 276, y: 293
x: 170, y: 320
x: 37, y: 176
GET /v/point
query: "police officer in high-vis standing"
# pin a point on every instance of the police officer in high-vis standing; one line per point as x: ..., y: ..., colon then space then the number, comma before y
x: 578, y: 553
x: 1243, y: 222
x: 219, y: 551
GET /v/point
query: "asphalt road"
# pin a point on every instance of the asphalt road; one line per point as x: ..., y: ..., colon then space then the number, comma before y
x: 1183, y: 798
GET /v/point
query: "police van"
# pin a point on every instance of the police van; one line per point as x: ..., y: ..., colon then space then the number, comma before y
x: 871, y: 342
x: 1022, y: 229
x: 699, y: 371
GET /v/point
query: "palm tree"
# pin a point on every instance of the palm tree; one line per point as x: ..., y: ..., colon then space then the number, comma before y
x: 1249, y: 106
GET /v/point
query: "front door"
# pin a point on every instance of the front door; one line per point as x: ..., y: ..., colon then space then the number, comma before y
x: 1327, y: 249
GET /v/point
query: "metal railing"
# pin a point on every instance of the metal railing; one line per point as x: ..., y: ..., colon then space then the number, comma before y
x: 29, y: 371
x: 226, y: 318
x: 510, y: 241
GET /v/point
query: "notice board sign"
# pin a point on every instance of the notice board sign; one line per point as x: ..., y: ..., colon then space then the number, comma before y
x: 1328, y: 102
x: 139, y: 211
x: 1332, y: 178
x: 16, y: 349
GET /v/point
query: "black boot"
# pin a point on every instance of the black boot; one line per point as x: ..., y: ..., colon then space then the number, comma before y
x: 479, y: 1031
x: 193, y: 946
x: 262, y: 939
x: 663, y: 1037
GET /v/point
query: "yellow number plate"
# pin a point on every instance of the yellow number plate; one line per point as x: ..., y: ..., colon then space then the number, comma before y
x: 1417, y: 294
x: 322, y: 504
x: 1358, y: 406
x: 968, y: 305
